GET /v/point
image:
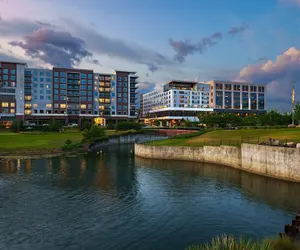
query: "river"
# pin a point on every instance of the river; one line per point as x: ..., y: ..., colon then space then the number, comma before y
x: 113, y: 200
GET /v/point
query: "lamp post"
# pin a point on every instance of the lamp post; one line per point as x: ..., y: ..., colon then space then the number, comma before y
x: 293, y: 104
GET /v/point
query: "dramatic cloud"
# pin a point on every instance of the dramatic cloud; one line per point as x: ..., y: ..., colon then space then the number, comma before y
x: 118, y: 48
x: 57, y: 48
x: 278, y: 74
x: 185, y: 47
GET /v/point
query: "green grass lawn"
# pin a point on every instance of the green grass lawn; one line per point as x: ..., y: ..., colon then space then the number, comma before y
x: 36, y: 141
x: 233, y: 137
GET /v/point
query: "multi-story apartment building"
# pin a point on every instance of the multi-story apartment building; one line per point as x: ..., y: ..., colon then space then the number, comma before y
x: 184, y: 100
x: 69, y: 95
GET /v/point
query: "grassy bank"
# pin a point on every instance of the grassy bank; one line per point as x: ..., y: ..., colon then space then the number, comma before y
x: 233, y: 137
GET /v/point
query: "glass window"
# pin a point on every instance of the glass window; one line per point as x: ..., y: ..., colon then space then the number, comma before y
x: 90, y: 93
x: 56, y: 74
x: 5, y: 71
x: 49, y: 74
x: 48, y: 86
x: 83, y: 98
x: 12, y: 78
x: 124, y: 89
x: 49, y: 97
x: 5, y: 77
x: 83, y: 92
x: 56, y: 86
x: 125, y: 78
x: 56, y: 105
x: 48, y: 79
x: 62, y: 98
x: 245, y: 88
x: 219, y: 99
x: 35, y: 97
x: 35, y: 73
x: 42, y: 85
x: 35, y: 91
x: 48, y: 92
x: 90, y: 99
x: 83, y: 75
x: 55, y: 80
x: 41, y: 97
x: 12, y: 71
x: 41, y: 91
x: 63, y: 80
x: 124, y: 100
x: 113, y: 94
x: 236, y: 100
x: 35, y: 79
x: 56, y: 91
x: 63, y: 74
x: 124, y: 84
x: 63, y: 86
x: 245, y: 100
x: 228, y: 100
x: 83, y: 87
x: 42, y: 79
x: 96, y: 94
x: 90, y: 87
x: 119, y: 78
x: 261, y: 101
x: 253, y: 101
x: 83, y: 81
x: 237, y: 87
x: 42, y: 73
x: 90, y: 76
x: 124, y: 107
x: 35, y: 85
x: 90, y: 82
x: 63, y: 92
x: 124, y: 94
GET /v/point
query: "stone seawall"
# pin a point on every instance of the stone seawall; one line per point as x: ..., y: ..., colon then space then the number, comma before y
x: 277, y: 162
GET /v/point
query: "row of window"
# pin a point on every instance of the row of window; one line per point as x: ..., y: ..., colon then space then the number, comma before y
x: 42, y: 79
x: 70, y: 75
x: 7, y: 104
x: 42, y: 85
x: 124, y: 107
x: 47, y: 92
x: 5, y: 71
x: 124, y: 78
x: 6, y: 78
x: 7, y: 111
x: 220, y: 86
x: 41, y: 73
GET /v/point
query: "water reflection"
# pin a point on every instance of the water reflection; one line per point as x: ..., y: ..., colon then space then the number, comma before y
x: 279, y: 193
x: 113, y: 200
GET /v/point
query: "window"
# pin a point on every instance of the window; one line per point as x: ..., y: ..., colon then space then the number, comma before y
x: 119, y: 90
x: 48, y: 92
x: 83, y: 98
x: 63, y: 86
x: 41, y: 111
x: 124, y: 94
x: 63, y: 80
x: 63, y: 92
x: 90, y: 76
x: 90, y: 93
x: 12, y: 71
x: 90, y: 99
x: 12, y: 110
x: 62, y: 98
x: 56, y: 86
x: 124, y: 84
x: 113, y: 94
x: 28, y: 106
x: 83, y: 92
x: 83, y: 87
x: 96, y: 94
x: 83, y: 106
x: 124, y: 107
x: 90, y: 87
x: 41, y: 91
x: 35, y: 91
x: 253, y: 88
x: 27, y: 112
x: 56, y: 74
x: 56, y: 105
x: 124, y: 89
x: 5, y: 71
x: 56, y: 98
x: 237, y: 87
x: 56, y: 91
x: 63, y: 74
x: 83, y: 81
x: 90, y: 82
x: 41, y: 97
x: 119, y: 78
x: 62, y: 106
x: 83, y: 75
x: 5, y: 77
x: 124, y: 100
x: 42, y: 73
x: 125, y: 78
x: 48, y: 97
x: 35, y: 97
x: 245, y: 100
x: 35, y: 85
x: 245, y: 88
x: 42, y: 85
x: 42, y: 79
x: 48, y: 86
x: 119, y: 99
x: 55, y: 80
x: 12, y: 78
x: 49, y: 74
x: 4, y: 104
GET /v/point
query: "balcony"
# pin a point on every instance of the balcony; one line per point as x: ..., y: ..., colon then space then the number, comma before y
x: 73, y: 93
x: 73, y: 82
x: 72, y: 99
x: 73, y: 76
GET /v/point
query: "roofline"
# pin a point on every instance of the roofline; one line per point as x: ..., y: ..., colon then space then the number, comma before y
x: 233, y: 82
x: 60, y: 68
x: 123, y: 71
x: 23, y: 63
x: 180, y: 81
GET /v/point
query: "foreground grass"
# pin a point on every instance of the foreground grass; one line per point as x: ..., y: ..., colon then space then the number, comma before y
x: 230, y: 243
x: 233, y: 137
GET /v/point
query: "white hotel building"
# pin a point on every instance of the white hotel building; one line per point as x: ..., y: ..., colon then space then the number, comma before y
x: 184, y: 100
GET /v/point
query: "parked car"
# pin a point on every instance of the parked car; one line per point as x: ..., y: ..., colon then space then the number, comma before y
x: 72, y: 125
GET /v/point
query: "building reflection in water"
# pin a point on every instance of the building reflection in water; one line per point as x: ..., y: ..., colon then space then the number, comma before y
x: 103, y: 177
x: 49, y: 165
x: 8, y: 167
x: 278, y: 193
x: 27, y: 166
x: 83, y: 165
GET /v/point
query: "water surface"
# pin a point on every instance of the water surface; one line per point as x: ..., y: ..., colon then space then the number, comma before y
x: 116, y: 201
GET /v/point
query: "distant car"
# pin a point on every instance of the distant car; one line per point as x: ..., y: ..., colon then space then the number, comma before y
x: 72, y: 125
x: 45, y: 125
x: 32, y: 124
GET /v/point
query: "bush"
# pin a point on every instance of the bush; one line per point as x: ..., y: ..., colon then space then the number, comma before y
x: 128, y: 125
x: 17, y: 126
x: 86, y: 125
x: 191, y: 135
x: 71, y: 146
x: 95, y: 133
x: 55, y: 126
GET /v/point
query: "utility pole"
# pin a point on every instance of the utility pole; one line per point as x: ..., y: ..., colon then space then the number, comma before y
x: 293, y: 103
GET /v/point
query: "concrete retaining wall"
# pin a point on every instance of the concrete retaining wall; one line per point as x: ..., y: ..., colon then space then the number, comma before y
x: 278, y: 162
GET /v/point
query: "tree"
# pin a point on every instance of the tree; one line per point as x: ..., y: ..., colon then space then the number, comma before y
x: 55, y: 125
x: 95, y: 133
x: 297, y: 112
x: 250, y: 121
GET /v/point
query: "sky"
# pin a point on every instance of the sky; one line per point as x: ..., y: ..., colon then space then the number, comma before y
x: 250, y: 41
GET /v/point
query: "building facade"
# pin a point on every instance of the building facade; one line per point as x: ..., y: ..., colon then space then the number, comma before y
x: 70, y: 95
x: 184, y: 100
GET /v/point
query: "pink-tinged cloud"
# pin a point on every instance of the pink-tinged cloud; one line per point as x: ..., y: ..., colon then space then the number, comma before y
x: 278, y: 75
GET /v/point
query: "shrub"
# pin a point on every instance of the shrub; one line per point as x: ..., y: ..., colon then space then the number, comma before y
x: 17, y: 126
x: 71, y: 146
x: 191, y: 135
x: 86, y: 125
x: 55, y: 126
x: 95, y: 133
x: 128, y: 125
